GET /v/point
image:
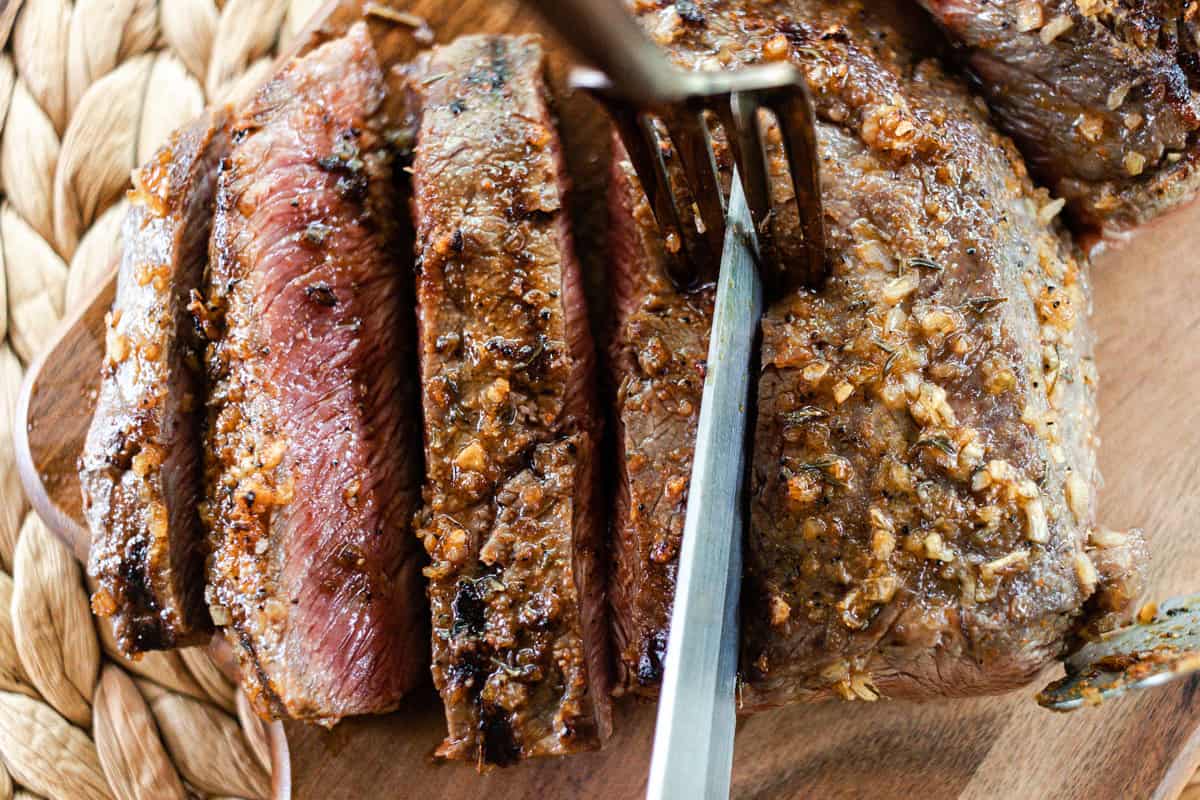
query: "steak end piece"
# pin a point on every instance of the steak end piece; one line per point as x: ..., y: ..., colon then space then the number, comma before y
x: 313, y: 442
x: 141, y: 466
x: 657, y: 352
x: 922, y: 490
x: 1100, y: 97
x: 510, y: 517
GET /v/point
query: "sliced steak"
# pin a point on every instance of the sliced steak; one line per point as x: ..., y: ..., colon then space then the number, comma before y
x: 141, y: 467
x: 1099, y: 95
x: 313, y: 444
x: 657, y: 352
x: 921, y: 496
x: 510, y: 518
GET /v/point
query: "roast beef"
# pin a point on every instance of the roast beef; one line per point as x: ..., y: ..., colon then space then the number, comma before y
x: 313, y: 463
x: 141, y: 467
x: 509, y: 518
x: 657, y: 351
x: 922, y: 516
x: 1099, y: 95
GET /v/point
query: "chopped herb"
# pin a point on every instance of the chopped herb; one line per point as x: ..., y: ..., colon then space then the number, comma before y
x: 891, y: 360
x: 925, y: 263
x: 820, y: 464
x: 821, y: 467
x: 802, y: 415
x: 536, y: 352
x: 940, y: 442
x: 511, y: 671
x: 985, y: 303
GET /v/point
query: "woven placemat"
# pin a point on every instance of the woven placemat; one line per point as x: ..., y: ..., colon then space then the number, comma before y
x: 88, y: 90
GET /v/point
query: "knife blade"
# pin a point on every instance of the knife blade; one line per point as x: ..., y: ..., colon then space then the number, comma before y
x: 693, y: 738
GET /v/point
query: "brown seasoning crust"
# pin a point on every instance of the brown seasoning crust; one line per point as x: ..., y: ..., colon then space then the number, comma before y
x: 1100, y: 95
x: 141, y: 466
x: 924, y: 465
x: 510, y: 515
x: 313, y: 457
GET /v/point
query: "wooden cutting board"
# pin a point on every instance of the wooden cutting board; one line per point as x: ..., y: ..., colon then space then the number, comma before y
x: 1148, y: 745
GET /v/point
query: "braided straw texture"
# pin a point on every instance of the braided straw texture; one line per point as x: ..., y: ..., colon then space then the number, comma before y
x: 88, y: 90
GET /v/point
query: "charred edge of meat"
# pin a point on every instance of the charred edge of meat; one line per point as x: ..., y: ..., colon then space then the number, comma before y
x: 469, y: 608
x: 651, y: 659
x: 135, y: 572
x: 497, y: 739
x: 145, y: 628
x: 469, y: 671
x: 493, y: 72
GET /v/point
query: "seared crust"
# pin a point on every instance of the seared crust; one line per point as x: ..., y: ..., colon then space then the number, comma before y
x: 921, y: 513
x: 313, y: 442
x: 1099, y: 96
x: 140, y: 469
x: 510, y: 518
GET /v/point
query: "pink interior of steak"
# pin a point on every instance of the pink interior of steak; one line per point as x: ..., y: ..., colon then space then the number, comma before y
x: 313, y: 435
x: 510, y: 518
x: 141, y: 474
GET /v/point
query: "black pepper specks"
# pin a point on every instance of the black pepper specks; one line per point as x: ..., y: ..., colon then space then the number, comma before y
x: 322, y: 294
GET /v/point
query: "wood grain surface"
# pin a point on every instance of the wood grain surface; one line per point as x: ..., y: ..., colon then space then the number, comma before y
x: 1147, y: 316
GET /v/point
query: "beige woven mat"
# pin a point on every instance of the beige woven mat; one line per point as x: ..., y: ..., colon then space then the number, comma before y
x: 88, y: 90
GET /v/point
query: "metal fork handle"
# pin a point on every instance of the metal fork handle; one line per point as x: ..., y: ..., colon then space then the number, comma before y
x: 607, y: 36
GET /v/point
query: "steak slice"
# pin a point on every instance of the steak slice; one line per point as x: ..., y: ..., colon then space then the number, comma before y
x: 1099, y: 96
x: 313, y: 444
x: 141, y: 466
x: 921, y: 495
x: 657, y: 353
x: 510, y: 516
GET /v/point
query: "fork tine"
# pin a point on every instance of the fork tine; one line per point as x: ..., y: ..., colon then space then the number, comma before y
x: 750, y: 156
x: 693, y: 140
x: 793, y: 110
x: 641, y: 155
x: 672, y: 149
x: 676, y: 202
x: 642, y: 145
